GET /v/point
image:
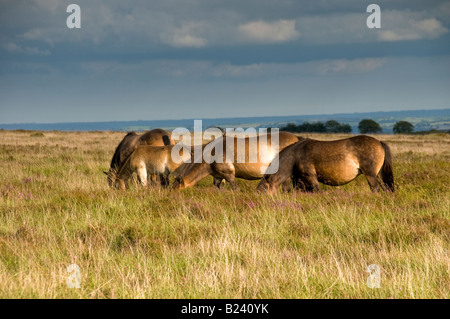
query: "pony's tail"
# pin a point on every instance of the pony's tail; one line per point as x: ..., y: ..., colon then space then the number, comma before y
x: 387, y: 173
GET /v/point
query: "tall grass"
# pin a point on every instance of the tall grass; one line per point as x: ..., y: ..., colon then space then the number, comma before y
x: 56, y: 209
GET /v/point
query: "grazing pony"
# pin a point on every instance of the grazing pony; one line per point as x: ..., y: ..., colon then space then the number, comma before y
x: 228, y: 170
x: 155, y: 137
x: 147, y: 159
x: 334, y: 163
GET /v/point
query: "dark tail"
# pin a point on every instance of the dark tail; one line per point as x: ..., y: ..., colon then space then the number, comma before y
x: 166, y: 140
x: 387, y: 173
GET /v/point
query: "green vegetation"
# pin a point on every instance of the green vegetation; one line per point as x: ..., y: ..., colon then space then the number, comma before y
x: 317, y: 127
x: 368, y: 126
x: 403, y: 127
x: 56, y: 208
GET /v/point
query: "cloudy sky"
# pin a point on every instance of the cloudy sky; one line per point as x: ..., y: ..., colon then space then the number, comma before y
x: 174, y: 59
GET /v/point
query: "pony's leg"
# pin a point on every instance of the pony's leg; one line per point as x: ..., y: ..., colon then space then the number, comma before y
x: 311, y: 183
x: 154, y: 179
x: 286, y: 186
x: 373, y: 182
x: 298, y: 184
x: 142, y: 175
x: 305, y: 179
x: 164, y: 180
x: 371, y: 176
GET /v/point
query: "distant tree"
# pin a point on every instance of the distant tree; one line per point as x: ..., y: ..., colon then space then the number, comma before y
x: 369, y: 126
x: 346, y: 128
x: 305, y: 127
x: 317, y: 127
x: 403, y: 127
x: 290, y: 127
x: 333, y: 126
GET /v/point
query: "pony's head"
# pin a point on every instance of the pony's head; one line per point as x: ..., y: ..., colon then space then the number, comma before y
x: 178, y: 183
x: 263, y: 185
x: 114, y: 181
x: 111, y: 176
x: 120, y: 184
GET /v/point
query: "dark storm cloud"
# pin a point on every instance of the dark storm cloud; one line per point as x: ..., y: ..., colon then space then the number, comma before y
x: 205, y: 55
x: 146, y: 26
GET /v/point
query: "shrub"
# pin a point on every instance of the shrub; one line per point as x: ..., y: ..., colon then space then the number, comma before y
x: 403, y: 127
x: 369, y: 126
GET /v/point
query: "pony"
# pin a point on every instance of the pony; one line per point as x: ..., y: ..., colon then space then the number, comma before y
x: 147, y: 159
x: 155, y: 137
x: 334, y: 163
x: 228, y: 170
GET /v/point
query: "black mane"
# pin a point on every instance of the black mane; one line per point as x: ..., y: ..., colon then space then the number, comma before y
x: 115, y: 161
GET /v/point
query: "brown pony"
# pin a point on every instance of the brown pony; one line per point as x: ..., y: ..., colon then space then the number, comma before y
x: 228, y: 170
x: 332, y: 163
x: 155, y: 137
x: 147, y: 159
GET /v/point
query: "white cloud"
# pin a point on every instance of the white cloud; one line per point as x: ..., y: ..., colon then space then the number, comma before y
x: 15, y: 48
x: 430, y: 28
x: 121, y: 27
x: 207, y: 70
x: 310, y: 68
x: 187, y: 40
x: 186, y: 36
x: 270, y: 32
x: 350, y: 66
x: 230, y: 70
x: 50, y: 5
x: 46, y: 35
x: 396, y: 25
x: 334, y: 28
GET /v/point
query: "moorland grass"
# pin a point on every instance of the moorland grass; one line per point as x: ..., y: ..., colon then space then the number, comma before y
x: 56, y: 209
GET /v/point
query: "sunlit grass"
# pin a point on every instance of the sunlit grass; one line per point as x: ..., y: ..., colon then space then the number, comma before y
x: 56, y: 209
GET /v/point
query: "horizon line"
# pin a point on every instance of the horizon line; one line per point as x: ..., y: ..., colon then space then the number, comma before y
x: 219, y: 118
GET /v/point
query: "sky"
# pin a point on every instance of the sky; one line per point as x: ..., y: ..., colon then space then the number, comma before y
x: 178, y: 59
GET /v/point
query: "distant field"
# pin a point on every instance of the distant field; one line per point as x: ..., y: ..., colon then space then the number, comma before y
x: 56, y: 209
x: 423, y: 120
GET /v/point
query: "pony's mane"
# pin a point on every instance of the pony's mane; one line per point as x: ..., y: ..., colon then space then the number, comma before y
x: 123, y: 165
x: 115, y: 161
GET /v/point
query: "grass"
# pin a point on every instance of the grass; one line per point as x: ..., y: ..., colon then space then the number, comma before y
x: 56, y: 209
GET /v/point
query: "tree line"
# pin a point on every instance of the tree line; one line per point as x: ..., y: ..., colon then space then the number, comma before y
x: 318, y: 127
x: 365, y: 126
